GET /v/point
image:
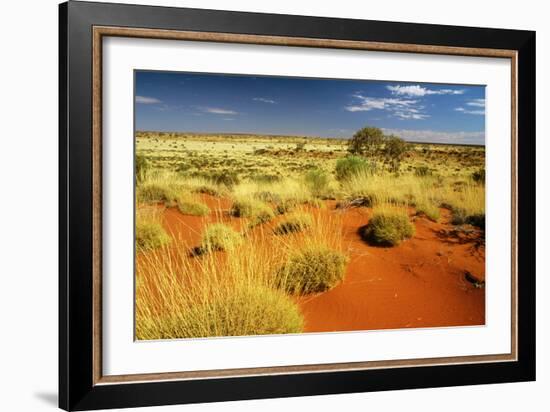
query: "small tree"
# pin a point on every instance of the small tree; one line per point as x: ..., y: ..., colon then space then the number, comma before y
x: 366, y: 141
x: 395, y: 149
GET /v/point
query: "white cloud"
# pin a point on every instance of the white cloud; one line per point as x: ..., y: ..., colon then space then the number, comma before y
x: 147, y: 100
x: 477, y: 103
x: 420, y: 91
x: 474, y: 112
x: 264, y: 100
x: 432, y: 136
x: 405, y: 109
x: 217, y: 110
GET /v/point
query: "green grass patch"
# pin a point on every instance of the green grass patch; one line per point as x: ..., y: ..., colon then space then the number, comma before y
x: 315, y: 268
x: 188, y: 206
x: 387, y: 228
x: 220, y: 237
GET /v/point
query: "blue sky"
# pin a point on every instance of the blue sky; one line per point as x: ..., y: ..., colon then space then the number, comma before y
x: 208, y: 103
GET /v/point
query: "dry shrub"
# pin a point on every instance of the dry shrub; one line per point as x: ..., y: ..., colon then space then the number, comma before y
x: 294, y: 223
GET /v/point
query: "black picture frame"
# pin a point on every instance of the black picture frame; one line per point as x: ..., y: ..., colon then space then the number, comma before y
x: 77, y: 390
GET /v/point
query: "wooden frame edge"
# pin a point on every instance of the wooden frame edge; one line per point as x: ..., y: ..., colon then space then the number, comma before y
x: 98, y: 32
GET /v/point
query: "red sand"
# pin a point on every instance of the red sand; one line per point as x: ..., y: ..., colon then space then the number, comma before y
x: 420, y: 283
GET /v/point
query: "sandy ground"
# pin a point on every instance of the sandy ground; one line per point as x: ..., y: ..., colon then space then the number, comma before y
x: 427, y: 281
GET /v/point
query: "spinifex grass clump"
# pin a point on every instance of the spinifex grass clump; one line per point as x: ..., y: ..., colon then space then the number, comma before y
x: 149, y: 231
x: 318, y: 182
x: 351, y: 166
x: 247, y: 309
x: 179, y: 296
x: 220, y: 237
x: 461, y: 217
x: 429, y: 210
x: 257, y: 211
x: 189, y: 206
x: 294, y: 223
x: 315, y: 268
x: 151, y: 192
x: 286, y: 205
x: 387, y: 227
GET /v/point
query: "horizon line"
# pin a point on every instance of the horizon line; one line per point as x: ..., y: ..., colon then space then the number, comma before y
x: 296, y: 136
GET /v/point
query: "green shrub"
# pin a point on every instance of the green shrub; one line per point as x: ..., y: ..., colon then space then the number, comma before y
x: 422, y: 171
x: 317, y: 181
x: 257, y: 211
x: 461, y: 217
x: 313, y: 269
x: 191, y: 207
x: 156, y: 192
x: 350, y: 166
x: 479, y: 176
x: 367, y: 141
x: 218, y: 236
x: 294, y: 223
x: 226, y: 178
x: 245, y: 310
x: 387, y: 228
x: 150, y: 235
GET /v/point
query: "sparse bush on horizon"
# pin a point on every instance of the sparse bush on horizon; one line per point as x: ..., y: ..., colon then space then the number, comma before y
x: 366, y: 141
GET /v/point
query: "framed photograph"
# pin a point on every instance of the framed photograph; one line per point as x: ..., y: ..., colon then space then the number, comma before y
x: 257, y: 206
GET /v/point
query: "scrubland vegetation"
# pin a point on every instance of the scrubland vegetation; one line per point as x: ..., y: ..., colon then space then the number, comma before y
x: 278, y: 239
